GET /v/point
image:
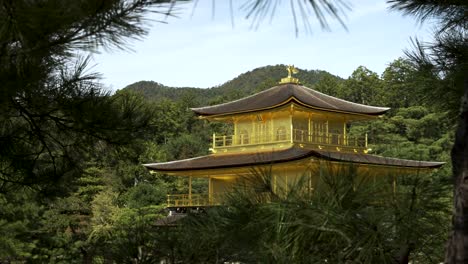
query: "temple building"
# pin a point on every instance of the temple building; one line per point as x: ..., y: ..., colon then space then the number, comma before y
x: 288, y: 128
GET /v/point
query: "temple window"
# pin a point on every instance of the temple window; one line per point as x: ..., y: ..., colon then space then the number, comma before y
x: 244, y: 137
x: 281, y: 133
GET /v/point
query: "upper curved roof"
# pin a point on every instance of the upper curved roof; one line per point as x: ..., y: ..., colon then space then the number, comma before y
x: 280, y: 95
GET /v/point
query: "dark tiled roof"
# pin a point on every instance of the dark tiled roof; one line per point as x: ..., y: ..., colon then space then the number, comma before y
x: 291, y: 154
x: 377, y: 160
x: 234, y: 160
x: 280, y: 95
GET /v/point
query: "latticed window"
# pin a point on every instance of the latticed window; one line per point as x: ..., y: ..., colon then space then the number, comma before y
x: 244, y: 137
x: 281, y: 133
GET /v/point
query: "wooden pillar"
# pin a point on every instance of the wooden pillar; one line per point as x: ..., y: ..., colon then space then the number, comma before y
x: 344, y: 133
x: 190, y: 190
x: 291, y: 112
x: 261, y: 130
x: 234, y: 137
x: 313, y: 137
x: 291, y: 127
x: 309, y: 133
x: 326, y: 132
x: 366, y: 141
x: 209, y: 186
x: 272, y: 129
x: 252, y: 138
x: 214, y: 140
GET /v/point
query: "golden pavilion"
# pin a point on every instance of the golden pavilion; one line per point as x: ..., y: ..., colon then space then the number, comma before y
x: 287, y: 128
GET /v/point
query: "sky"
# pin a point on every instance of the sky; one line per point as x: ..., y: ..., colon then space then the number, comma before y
x: 202, y: 47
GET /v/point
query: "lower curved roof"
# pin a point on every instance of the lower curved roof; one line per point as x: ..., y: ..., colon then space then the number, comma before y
x: 274, y: 157
x: 283, y: 94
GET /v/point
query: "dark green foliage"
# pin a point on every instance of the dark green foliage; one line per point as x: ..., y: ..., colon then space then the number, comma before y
x: 347, y: 219
x: 16, y: 223
x: 145, y: 194
x: 51, y: 111
x: 329, y: 85
x: 364, y: 87
x: 411, y: 133
x: 133, y: 237
x: 185, y: 146
x: 441, y: 65
x: 451, y: 14
x: 156, y: 91
x: 444, y: 65
x: 401, y: 84
x: 55, y: 117
x: 258, y: 10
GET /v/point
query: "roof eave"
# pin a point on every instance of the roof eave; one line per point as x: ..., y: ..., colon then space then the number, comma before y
x: 291, y: 99
x: 311, y: 153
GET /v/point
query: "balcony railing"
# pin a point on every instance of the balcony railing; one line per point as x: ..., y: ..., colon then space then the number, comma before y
x: 299, y: 136
x: 242, y: 139
x: 204, y: 200
x: 193, y: 200
x: 335, y: 139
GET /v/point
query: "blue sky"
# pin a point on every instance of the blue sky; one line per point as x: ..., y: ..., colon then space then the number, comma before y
x: 205, y: 51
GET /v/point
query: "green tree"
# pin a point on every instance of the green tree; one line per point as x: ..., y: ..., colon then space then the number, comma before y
x: 445, y: 64
x: 145, y: 194
x: 401, y: 86
x: 330, y: 85
x: 51, y: 110
x: 54, y: 116
x: 363, y: 87
x: 16, y: 222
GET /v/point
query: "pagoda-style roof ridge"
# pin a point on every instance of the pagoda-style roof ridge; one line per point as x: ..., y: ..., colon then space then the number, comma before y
x: 283, y: 94
x: 343, y: 100
x: 372, y: 159
x: 213, y: 161
x: 286, y: 155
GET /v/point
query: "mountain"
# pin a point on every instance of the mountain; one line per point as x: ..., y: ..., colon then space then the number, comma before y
x: 243, y: 85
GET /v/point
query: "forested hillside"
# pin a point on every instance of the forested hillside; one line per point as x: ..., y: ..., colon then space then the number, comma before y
x: 245, y: 84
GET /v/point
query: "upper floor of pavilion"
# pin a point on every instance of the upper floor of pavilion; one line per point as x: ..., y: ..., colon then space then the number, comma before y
x: 286, y: 115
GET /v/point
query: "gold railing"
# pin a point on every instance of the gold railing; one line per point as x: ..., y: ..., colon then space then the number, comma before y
x: 189, y: 200
x: 242, y: 139
x: 298, y: 135
x: 335, y: 139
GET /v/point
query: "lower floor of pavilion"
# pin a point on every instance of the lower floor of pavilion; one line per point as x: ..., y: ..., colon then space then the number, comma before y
x: 282, y: 170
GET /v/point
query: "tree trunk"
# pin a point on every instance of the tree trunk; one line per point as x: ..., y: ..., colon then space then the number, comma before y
x: 404, y: 254
x: 457, y: 245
